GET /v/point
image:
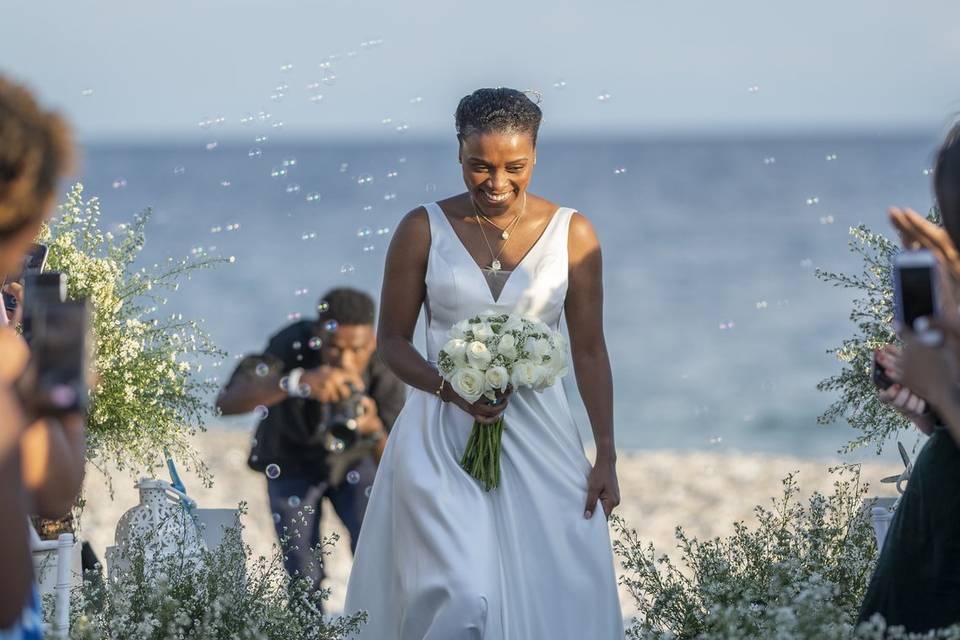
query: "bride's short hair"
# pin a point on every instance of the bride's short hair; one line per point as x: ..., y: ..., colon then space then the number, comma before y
x: 499, y: 110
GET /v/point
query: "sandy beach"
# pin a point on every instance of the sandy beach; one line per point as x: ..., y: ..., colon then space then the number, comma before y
x: 702, y: 491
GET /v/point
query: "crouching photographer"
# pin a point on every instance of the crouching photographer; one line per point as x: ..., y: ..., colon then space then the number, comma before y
x: 916, y: 582
x: 326, y: 404
x: 43, y: 385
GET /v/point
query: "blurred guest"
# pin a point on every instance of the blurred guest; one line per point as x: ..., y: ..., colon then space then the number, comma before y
x: 326, y: 404
x: 35, y: 151
x: 916, y: 583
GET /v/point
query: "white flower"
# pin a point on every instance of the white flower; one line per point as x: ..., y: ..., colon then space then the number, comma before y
x: 537, y: 348
x: 459, y: 330
x: 482, y: 331
x: 498, y: 378
x: 469, y: 383
x: 524, y: 374
x: 557, y: 365
x: 545, y: 378
x: 478, y: 355
x: 514, y: 323
x: 507, y: 347
x: 457, y: 350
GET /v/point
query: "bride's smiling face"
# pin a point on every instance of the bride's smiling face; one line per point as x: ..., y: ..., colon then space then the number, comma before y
x: 497, y: 168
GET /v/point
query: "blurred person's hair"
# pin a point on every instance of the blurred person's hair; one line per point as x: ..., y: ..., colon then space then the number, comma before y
x: 499, y: 110
x: 946, y: 182
x: 35, y: 152
x: 347, y: 306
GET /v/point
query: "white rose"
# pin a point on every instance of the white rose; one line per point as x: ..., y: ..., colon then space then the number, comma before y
x: 482, y: 331
x: 545, y: 378
x: 557, y: 364
x: 498, y: 378
x: 514, y: 323
x: 537, y: 348
x: 524, y: 374
x: 507, y: 347
x: 457, y: 350
x: 468, y: 383
x: 478, y: 355
x: 459, y: 330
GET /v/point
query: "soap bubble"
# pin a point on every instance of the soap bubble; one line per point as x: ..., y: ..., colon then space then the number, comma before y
x: 391, y: 174
x: 277, y: 125
x: 367, y: 491
x: 86, y: 92
x: 769, y: 160
x: 619, y: 171
x: 323, y: 306
x: 831, y: 157
x: 255, y: 152
x: 225, y: 183
x: 331, y: 325
x: 313, y: 197
x: 210, y: 146
x: 273, y: 471
x: 346, y: 269
x: 317, y: 97
x: 293, y: 188
x: 386, y: 121
x: 315, y: 343
x: 382, y: 231
x: 353, y: 476
x: 261, y: 412
x: 368, y: 248
x: 826, y: 220
x: 278, y: 172
x: 416, y: 100
x: 119, y: 183
x: 812, y: 201
x: 260, y: 139
x: 294, y: 501
x: 753, y: 89
x: 289, y: 162
x: 603, y: 97
x: 276, y: 518
x: 559, y: 84
x: 286, y: 67
x: 344, y: 166
x: 296, y: 345
x: 401, y: 128
x: 363, y: 232
x: 262, y: 370
x: 390, y: 196
x: 177, y: 171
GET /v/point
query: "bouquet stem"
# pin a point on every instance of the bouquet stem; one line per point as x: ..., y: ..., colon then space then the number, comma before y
x: 481, y: 459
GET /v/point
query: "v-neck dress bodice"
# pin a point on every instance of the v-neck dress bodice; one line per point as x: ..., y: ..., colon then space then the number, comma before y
x: 439, y: 558
x: 458, y: 289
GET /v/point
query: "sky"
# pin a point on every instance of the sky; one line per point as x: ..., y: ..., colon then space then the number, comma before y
x: 138, y: 70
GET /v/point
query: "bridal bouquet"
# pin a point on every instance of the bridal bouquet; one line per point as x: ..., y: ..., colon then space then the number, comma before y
x: 485, y: 355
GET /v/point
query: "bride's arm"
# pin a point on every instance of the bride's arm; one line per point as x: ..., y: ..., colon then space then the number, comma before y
x: 403, y: 293
x: 591, y: 364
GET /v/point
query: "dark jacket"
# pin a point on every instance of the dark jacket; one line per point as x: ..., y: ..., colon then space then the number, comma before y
x: 289, y: 434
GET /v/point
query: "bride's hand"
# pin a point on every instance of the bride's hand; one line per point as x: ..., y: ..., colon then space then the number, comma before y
x: 484, y: 411
x: 602, y: 484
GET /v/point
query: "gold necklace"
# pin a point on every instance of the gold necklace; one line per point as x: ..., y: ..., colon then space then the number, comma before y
x: 504, y: 233
x: 495, y: 263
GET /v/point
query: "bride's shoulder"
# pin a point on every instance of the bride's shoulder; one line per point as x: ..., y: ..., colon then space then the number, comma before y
x: 413, y: 231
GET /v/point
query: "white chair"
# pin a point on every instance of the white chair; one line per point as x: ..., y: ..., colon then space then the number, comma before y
x: 63, y: 546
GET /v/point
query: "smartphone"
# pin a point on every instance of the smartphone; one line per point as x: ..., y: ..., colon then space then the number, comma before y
x: 34, y: 262
x: 914, y: 286
x: 40, y: 290
x: 880, y: 377
x: 60, y: 350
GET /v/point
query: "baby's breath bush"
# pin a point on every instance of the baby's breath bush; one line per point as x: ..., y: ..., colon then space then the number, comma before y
x: 872, y: 314
x: 221, y: 595
x: 799, y: 573
x: 148, y: 396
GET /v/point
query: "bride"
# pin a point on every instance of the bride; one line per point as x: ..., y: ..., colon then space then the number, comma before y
x: 439, y: 558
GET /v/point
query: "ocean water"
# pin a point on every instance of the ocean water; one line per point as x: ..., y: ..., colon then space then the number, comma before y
x: 716, y: 325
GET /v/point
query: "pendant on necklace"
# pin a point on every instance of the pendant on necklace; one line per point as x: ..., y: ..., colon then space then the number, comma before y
x: 505, y: 235
x: 495, y: 265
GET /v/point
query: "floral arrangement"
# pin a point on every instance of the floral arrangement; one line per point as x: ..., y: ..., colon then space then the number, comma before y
x: 224, y: 594
x: 483, y: 357
x: 872, y: 314
x: 801, y: 572
x: 147, y: 398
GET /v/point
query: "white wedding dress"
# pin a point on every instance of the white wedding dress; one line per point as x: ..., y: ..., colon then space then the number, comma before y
x: 440, y: 559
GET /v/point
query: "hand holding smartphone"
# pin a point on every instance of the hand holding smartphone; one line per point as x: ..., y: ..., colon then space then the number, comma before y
x: 915, y: 294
